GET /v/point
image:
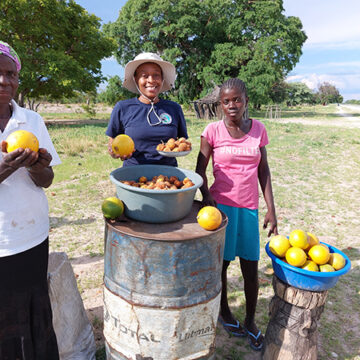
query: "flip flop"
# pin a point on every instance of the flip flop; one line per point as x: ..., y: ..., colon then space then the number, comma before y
x: 233, y: 333
x: 251, y: 335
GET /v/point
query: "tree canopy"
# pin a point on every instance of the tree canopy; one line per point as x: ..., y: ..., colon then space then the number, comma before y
x: 114, y: 92
x: 299, y: 93
x: 328, y: 93
x: 60, y: 45
x: 210, y: 40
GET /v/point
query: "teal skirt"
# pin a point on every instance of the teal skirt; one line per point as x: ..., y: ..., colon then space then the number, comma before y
x: 242, y: 237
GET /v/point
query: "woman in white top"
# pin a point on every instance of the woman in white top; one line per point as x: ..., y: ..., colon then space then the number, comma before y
x: 26, y: 330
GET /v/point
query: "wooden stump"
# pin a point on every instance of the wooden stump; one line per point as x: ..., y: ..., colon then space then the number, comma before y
x: 292, y: 330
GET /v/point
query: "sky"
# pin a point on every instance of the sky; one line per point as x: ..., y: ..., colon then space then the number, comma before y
x: 331, y: 53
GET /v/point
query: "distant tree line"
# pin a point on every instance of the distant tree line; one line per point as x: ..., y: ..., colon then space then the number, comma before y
x: 297, y: 93
x: 352, y: 101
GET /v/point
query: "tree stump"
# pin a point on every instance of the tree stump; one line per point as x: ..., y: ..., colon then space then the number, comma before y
x: 292, y: 330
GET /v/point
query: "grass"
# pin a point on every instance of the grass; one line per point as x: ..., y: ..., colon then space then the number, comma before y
x: 315, y: 174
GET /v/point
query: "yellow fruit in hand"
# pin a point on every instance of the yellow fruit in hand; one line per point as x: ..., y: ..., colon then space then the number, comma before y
x: 313, y: 240
x: 279, y: 245
x: 298, y: 238
x: 310, y: 265
x: 22, y: 139
x: 112, y: 207
x: 337, y: 261
x: 295, y: 256
x: 319, y: 254
x: 123, y: 145
x: 209, y: 218
x: 326, y: 268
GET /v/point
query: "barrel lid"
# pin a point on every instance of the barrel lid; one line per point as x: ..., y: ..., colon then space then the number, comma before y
x: 181, y: 230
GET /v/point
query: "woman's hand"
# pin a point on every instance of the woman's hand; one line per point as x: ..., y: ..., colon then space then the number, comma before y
x: 113, y: 155
x: 270, y: 217
x: 208, y: 200
x: 42, y: 162
x: 19, y: 157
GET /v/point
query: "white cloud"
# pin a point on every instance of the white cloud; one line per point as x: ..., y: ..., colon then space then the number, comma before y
x: 335, y: 66
x: 327, y: 23
x: 313, y: 80
x: 111, y: 58
x: 335, y: 45
x: 342, y: 82
x: 352, y: 96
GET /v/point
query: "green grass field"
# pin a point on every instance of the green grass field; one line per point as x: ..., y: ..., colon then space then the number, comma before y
x: 315, y: 174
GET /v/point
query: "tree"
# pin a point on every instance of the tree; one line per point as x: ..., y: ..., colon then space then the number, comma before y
x: 299, y: 93
x: 279, y: 92
x: 210, y: 40
x: 328, y: 94
x: 60, y: 46
x: 114, y: 92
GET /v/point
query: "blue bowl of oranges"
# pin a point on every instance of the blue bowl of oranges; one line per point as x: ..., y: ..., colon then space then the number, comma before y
x: 313, y: 267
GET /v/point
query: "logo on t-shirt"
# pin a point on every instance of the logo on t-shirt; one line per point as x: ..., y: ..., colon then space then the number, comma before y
x: 165, y: 118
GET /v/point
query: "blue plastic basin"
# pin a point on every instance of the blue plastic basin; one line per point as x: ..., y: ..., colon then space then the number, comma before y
x: 305, y: 279
x: 155, y: 206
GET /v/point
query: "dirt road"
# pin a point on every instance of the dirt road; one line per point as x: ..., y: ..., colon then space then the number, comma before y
x: 349, y: 117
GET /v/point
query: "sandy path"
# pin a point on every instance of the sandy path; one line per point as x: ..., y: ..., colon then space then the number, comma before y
x: 349, y: 117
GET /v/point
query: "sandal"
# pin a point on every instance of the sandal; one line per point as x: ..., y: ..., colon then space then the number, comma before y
x: 251, y: 343
x: 237, y: 326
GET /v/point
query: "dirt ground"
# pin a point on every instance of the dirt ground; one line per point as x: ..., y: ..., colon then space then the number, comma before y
x: 348, y: 120
x: 70, y: 108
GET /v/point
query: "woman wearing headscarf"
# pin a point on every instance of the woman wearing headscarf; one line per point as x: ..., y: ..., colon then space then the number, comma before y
x: 26, y: 330
x: 147, y: 119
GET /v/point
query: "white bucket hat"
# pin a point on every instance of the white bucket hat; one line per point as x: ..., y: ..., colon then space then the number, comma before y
x: 168, y: 71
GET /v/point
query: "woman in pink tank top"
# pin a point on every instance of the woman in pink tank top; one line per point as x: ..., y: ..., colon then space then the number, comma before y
x: 236, y: 145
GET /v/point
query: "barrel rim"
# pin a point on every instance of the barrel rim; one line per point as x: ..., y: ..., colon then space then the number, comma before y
x: 112, y: 224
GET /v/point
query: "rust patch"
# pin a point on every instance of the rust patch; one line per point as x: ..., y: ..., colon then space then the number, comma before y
x: 203, y: 270
x: 142, y: 255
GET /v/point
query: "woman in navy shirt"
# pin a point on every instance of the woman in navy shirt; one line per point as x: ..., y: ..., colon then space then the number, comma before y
x: 147, y: 119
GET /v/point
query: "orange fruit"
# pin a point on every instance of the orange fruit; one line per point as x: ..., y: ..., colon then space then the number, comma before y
x: 279, y: 245
x: 310, y: 265
x: 123, y: 145
x: 313, y: 240
x: 209, y: 218
x: 337, y: 261
x: 295, y: 256
x: 326, y: 268
x: 319, y: 254
x: 22, y: 139
x: 298, y: 238
x: 112, y: 207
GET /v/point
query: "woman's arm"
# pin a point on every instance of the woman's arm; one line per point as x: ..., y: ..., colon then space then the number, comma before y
x: 201, y: 165
x: 266, y: 187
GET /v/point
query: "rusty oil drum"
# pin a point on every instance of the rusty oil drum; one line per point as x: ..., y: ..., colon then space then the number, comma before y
x: 162, y: 288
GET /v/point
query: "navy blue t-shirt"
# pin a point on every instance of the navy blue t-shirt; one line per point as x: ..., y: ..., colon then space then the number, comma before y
x: 130, y: 117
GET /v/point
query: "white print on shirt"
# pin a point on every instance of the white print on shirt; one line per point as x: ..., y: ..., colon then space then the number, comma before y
x: 166, y: 118
x: 233, y: 150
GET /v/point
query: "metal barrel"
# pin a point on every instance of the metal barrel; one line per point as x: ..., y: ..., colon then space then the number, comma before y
x: 162, y: 288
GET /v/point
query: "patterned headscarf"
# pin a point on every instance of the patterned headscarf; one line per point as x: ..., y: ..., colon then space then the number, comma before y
x: 7, y: 50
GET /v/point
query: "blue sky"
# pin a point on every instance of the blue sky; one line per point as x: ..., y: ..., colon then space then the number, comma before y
x: 331, y: 53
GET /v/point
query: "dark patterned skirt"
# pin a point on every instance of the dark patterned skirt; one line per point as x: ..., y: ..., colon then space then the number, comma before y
x: 26, y: 331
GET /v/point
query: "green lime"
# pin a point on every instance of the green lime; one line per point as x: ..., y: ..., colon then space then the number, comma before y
x: 112, y: 207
